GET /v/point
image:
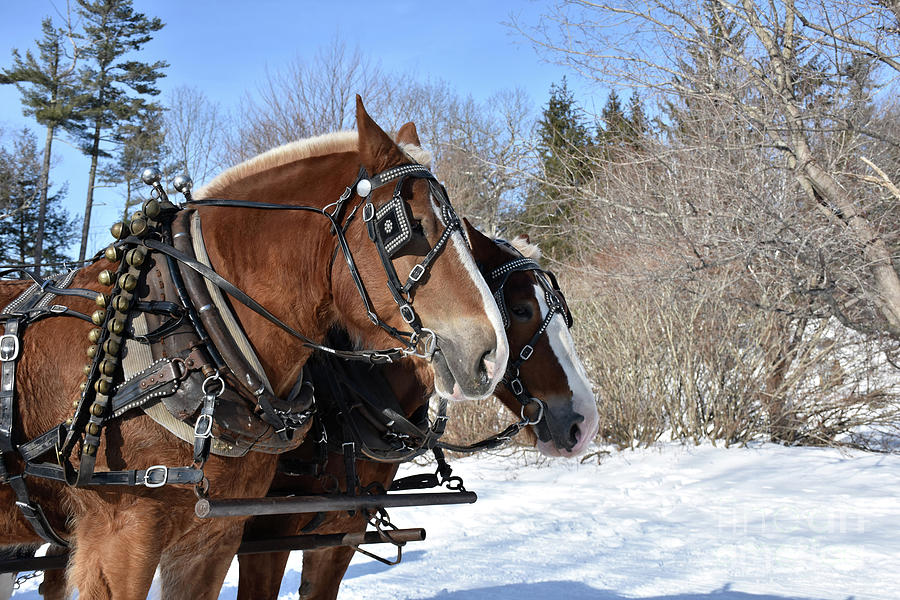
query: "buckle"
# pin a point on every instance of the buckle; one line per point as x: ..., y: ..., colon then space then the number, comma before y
x: 203, y: 426
x: 516, y: 386
x: 148, y: 476
x: 368, y: 212
x: 9, y: 347
x: 408, y: 314
x: 416, y: 273
x: 526, y: 352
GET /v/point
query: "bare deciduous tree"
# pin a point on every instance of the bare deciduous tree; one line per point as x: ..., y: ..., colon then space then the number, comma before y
x: 194, y: 131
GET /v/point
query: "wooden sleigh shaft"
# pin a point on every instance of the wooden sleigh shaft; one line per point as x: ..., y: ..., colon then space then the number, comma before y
x: 242, y: 507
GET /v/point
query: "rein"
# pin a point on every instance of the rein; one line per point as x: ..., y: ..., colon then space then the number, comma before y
x: 389, y: 229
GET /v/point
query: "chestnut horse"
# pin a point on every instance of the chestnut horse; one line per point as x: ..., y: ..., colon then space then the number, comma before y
x: 282, y: 259
x: 553, y: 374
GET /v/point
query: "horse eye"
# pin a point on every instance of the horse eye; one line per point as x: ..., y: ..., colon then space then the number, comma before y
x: 521, y: 311
x: 416, y: 226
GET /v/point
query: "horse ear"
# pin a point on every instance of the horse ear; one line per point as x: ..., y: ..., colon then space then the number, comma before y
x: 377, y: 151
x: 408, y: 135
x: 481, y: 244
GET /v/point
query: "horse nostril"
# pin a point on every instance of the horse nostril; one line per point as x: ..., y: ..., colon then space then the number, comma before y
x: 574, y: 433
x: 488, y: 364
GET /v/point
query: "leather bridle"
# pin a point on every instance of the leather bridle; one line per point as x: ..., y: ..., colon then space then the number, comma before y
x: 389, y: 228
x: 556, y: 304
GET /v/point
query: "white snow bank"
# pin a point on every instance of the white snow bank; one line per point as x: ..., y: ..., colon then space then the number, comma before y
x: 668, y: 523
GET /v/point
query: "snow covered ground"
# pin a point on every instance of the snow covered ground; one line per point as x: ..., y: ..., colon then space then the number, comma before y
x: 667, y: 523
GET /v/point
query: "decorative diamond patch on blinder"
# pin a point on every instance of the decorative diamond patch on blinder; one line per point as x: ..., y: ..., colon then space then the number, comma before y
x: 392, y: 225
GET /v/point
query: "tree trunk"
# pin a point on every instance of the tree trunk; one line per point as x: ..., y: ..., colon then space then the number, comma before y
x: 89, y: 203
x: 878, y: 255
x: 42, y: 209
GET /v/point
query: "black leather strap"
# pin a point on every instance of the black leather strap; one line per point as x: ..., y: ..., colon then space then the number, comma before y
x: 33, y: 512
x: 155, y: 476
x: 371, y: 356
x: 10, y: 344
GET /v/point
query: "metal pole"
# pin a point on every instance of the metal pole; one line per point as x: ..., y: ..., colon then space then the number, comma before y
x: 242, y: 507
x: 282, y: 544
x: 312, y: 541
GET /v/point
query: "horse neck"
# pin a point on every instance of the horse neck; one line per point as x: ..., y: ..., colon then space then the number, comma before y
x: 280, y: 258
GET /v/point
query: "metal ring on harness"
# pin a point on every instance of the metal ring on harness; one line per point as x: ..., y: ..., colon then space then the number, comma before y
x: 215, y: 377
x: 429, y: 341
x: 540, y: 415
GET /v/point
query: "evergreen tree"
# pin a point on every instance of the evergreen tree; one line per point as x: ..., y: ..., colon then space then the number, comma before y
x: 563, y: 136
x: 20, y: 184
x: 49, y: 94
x: 116, y: 86
x: 139, y: 143
x: 565, y: 149
x: 615, y: 124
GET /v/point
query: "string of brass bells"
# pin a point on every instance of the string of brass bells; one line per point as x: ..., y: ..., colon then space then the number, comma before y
x: 111, y: 317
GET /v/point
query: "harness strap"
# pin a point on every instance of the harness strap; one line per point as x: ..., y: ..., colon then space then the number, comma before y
x: 9, y: 355
x: 33, y: 512
x: 151, y: 477
x: 372, y: 356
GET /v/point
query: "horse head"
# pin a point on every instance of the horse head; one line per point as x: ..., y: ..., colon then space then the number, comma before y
x: 544, y: 365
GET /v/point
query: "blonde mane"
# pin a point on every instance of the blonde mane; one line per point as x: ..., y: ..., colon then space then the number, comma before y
x: 528, y: 250
x: 341, y: 141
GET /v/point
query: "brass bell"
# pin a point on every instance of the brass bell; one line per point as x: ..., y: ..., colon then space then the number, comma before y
x: 86, y: 369
x: 102, y: 386
x: 135, y: 257
x: 108, y: 366
x: 116, y: 326
x: 106, y: 277
x: 102, y: 299
x: 68, y: 422
x: 92, y: 351
x: 94, y: 335
x: 127, y: 282
x: 139, y: 227
x: 122, y: 302
x: 119, y: 230
x: 98, y: 317
x: 113, y: 253
x: 82, y: 386
x: 93, y: 428
x: 111, y: 346
x: 89, y: 450
x: 151, y: 208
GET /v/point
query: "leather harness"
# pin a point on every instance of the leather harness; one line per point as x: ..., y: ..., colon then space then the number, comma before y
x: 197, y: 373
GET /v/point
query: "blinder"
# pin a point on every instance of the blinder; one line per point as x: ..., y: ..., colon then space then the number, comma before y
x: 392, y: 225
x: 390, y: 228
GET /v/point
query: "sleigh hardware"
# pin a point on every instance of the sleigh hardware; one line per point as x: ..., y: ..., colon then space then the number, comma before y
x: 262, y: 546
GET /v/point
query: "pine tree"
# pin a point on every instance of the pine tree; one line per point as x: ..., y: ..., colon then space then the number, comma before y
x: 565, y: 149
x: 20, y: 184
x: 116, y: 86
x: 615, y: 123
x: 49, y: 94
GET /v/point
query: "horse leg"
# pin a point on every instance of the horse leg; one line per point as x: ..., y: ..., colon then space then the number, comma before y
x: 261, y: 574
x: 54, y: 585
x: 195, y: 567
x: 115, y: 558
x: 323, y: 571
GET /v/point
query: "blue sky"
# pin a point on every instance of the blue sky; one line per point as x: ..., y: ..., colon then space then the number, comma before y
x: 224, y: 48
